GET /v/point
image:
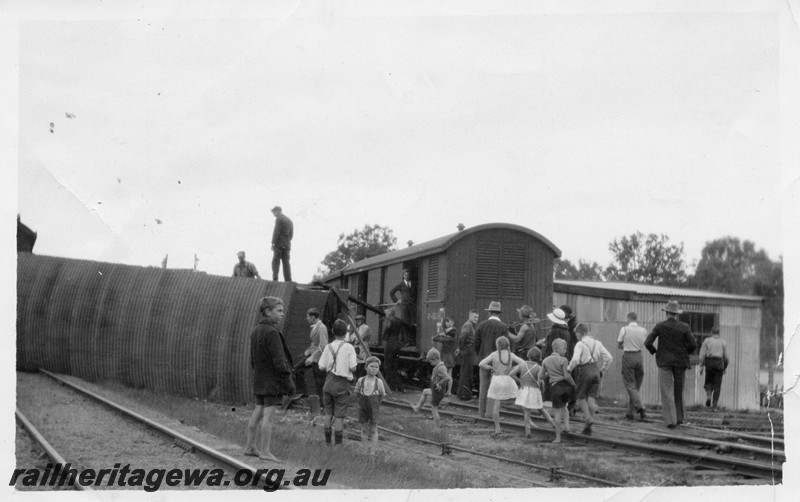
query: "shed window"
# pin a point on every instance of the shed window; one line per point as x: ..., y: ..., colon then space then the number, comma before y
x: 500, y: 270
x: 701, y: 324
x: 433, y: 277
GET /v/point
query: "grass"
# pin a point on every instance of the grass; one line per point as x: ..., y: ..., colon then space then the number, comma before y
x: 300, y: 443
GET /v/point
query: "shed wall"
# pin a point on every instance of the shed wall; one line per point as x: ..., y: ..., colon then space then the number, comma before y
x: 739, y: 327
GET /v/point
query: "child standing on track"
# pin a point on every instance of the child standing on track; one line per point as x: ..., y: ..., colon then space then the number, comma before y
x: 370, y: 392
x: 554, y: 367
x: 530, y: 395
x: 502, y: 386
x: 447, y: 339
x: 339, y: 360
x: 439, y: 381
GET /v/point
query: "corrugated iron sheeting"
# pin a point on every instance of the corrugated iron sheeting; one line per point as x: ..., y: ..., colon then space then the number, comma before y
x: 167, y: 330
x: 739, y: 327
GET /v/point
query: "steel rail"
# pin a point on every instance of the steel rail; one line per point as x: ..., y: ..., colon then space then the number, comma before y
x: 199, y: 448
x: 46, y: 446
x: 450, y: 446
x: 771, y: 452
x: 738, y: 466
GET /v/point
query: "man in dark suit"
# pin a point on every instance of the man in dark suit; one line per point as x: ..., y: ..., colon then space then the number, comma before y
x: 281, y: 244
x: 404, y: 294
x: 675, y: 343
x: 486, y: 335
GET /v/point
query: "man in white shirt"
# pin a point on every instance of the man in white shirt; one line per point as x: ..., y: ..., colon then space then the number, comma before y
x: 588, y: 354
x: 310, y: 358
x: 631, y: 342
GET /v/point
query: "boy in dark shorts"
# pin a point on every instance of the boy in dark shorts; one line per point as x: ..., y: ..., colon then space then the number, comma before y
x: 370, y: 391
x: 272, y: 376
x: 562, y: 385
x: 439, y: 384
x: 339, y: 360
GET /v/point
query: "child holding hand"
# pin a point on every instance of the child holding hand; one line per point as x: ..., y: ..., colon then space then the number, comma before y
x: 530, y: 395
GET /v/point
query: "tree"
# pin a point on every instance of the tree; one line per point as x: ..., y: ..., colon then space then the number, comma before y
x: 371, y: 240
x: 585, y: 271
x: 650, y: 259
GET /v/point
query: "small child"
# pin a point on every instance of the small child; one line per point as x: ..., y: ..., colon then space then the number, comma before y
x: 339, y: 360
x: 439, y: 382
x: 561, y: 384
x: 370, y: 391
x: 447, y: 339
x: 530, y: 396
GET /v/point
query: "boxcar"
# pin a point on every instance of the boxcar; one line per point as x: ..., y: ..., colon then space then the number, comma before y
x: 458, y: 272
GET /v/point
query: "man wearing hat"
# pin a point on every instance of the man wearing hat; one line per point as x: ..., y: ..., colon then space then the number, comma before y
x: 281, y: 244
x: 675, y: 343
x: 486, y: 335
x: 525, y: 338
x: 244, y: 268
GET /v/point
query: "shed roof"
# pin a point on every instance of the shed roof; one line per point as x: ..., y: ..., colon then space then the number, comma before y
x: 435, y: 246
x: 592, y: 287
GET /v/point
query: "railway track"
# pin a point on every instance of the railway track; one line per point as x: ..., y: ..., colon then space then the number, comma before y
x: 554, y: 473
x: 621, y: 441
x: 769, y: 449
x: 242, y: 474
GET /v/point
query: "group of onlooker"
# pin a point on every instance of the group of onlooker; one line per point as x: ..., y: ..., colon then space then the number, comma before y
x: 563, y: 369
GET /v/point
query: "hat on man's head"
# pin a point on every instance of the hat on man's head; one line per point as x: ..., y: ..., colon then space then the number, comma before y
x: 494, y: 307
x: 360, y: 317
x: 526, y: 311
x: 672, y: 307
x: 313, y: 311
x: 240, y: 253
x: 276, y: 208
x: 558, y: 316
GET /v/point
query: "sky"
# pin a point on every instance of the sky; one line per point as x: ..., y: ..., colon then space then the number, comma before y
x: 177, y: 126
x: 176, y: 136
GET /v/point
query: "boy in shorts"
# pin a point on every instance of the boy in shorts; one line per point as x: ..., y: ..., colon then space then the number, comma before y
x: 339, y: 360
x: 370, y: 391
x: 439, y: 384
x: 562, y: 385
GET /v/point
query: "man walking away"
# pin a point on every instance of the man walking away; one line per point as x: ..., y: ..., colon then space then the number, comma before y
x: 714, y: 359
x: 281, y: 244
x: 675, y: 343
x: 631, y: 342
x: 486, y: 336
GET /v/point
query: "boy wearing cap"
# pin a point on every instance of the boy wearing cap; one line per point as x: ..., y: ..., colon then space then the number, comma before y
x: 370, y: 391
x: 439, y: 382
x: 675, y: 343
x: 339, y: 360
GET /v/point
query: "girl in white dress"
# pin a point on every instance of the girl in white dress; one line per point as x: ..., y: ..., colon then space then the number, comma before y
x: 530, y: 395
x: 502, y: 386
